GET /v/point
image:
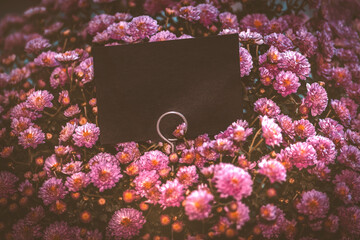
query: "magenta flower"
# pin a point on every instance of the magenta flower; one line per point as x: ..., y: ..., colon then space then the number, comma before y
x: 39, y: 100
x: 341, y: 76
x: 249, y: 37
x: 316, y: 98
x: 314, y: 204
x: 31, y: 137
x: 266, y: 107
x: 7, y: 184
x: 60, y: 230
x: 232, y: 181
x: 153, y: 160
x: 271, y: 131
x: 239, y: 131
x: 99, y: 23
x: 246, y: 63
x: 128, y: 152
x: 280, y: 41
x: 350, y: 156
x: 187, y: 176
x: 255, y: 22
x: 86, y: 135
x: 20, y: 124
x: 162, y: 36
x: 126, y: 223
x: 197, y: 204
x: 286, y: 124
x: 172, y: 194
x: 324, y: 147
x: 118, y: 31
x: 72, y: 111
x: 59, y: 77
x: 228, y: 20
x: 145, y: 181
x: 341, y: 111
x: 71, y: 167
x: 349, y: 220
x: 103, y: 157
x: 46, y: 59
x: 189, y: 13
x: 67, y: 131
x: 347, y: 186
x: 301, y: 154
x: 241, y: 214
x: 104, y: 175
x: 208, y: 14
x: 142, y: 27
x: 22, y: 229
x: 66, y: 57
x: 272, y: 221
x: 273, y: 169
x: 37, y: 45
x: 295, y: 62
x: 52, y: 189
x: 286, y: 83
x: 303, y: 128
x: 77, y: 181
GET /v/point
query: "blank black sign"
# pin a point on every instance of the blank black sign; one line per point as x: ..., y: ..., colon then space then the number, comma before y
x: 137, y: 83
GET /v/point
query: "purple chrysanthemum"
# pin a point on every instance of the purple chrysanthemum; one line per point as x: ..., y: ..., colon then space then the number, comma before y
x: 271, y: 131
x: 68, y: 56
x: 347, y: 186
x: 228, y: 20
x: 349, y: 220
x: 128, y: 152
x: 341, y: 111
x: 265, y: 76
x: 197, y: 204
x: 37, y: 45
x: 325, y: 148
x: 103, y: 157
x: 77, y: 181
x: 142, y: 27
x: 86, y: 135
x: 52, y: 189
x: 39, y: 100
x: 58, y: 230
x: 46, y: 59
x: 162, y: 36
x: 255, y: 22
x: 246, y: 63
x: 306, y: 42
x: 286, y: 124
x: 190, y: 13
x: 208, y: 14
x: 316, y: 98
x: 104, y: 175
x: 126, y: 223
x: 67, y: 131
x: 187, y: 175
x: 295, y: 62
x: 59, y: 76
x: 249, y: 37
x: 240, y: 216
x: 72, y: 111
x: 273, y: 169
x: 24, y: 230
x: 266, y: 107
x: 232, y: 181
x: 280, y: 41
x: 314, y: 204
x: 99, y: 23
x: 239, y: 131
x: 301, y: 154
x: 286, y: 83
x: 31, y: 137
x: 153, y: 160
x: 341, y: 76
x: 118, y: 31
x: 172, y: 194
x: 304, y: 128
x: 331, y: 223
x: 7, y: 184
x: 350, y: 156
x: 145, y: 181
x: 20, y: 124
x: 272, y: 221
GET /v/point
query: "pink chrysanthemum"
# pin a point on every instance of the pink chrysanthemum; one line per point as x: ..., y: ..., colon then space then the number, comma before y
x: 246, y: 63
x: 280, y: 41
x: 273, y: 169
x: 314, y: 204
x: 68, y: 56
x: 31, y: 137
x: 86, y: 135
x: 240, y: 216
x: 72, y: 111
x: 321, y: 171
x: 162, y: 36
x: 228, y: 20
x: 341, y: 111
x: 172, y: 194
x: 232, y: 181
x: 20, y: 124
x: 126, y: 223
x: 286, y: 83
x: 349, y: 220
x: 350, y: 156
x: 153, y: 160
x: 190, y: 13
x: 118, y: 31
x: 316, y: 98
x: 250, y: 37
x: 37, y: 45
x: 180, y: 130
x: 304, y: 128
x: 187, y: 175
x: 272, y: 221
x: 266, y: 107
x: 104, y: 175
x: 46, y: 59
x: 67, y: 131
x: 52, y: 189
x: 347, y: 186
x: 331, y: 223
x: 58, y: 230
x: 325, y: 148
x: 256, y: 22
x: 145, y: 181
x: 301, y: 154
x: 271, y: 131
x: 265, y: 76
x: 51, y: 164
x: 77, y: 181
x: 295, y: 62
x: 7, y: 184
x: 128, y: 152
x: 197, y: 204
x: 341, y: 76
x: 286, y: 124
x: 142, y: 27
x: 39, y: 100
x: 103, y: 157
x: 23, y: 230
x: 208, y: 14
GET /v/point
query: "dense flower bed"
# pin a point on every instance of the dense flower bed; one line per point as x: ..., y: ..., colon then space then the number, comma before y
x: 289, y: 169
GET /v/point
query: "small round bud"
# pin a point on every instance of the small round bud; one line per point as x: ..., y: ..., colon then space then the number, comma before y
x: 85, y: 217
x: 177, y: 226
x: 75, y: 195
x: 144, y: 206
x: 165, y: 220
x: 271, y: 192
x: 101, y: 201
